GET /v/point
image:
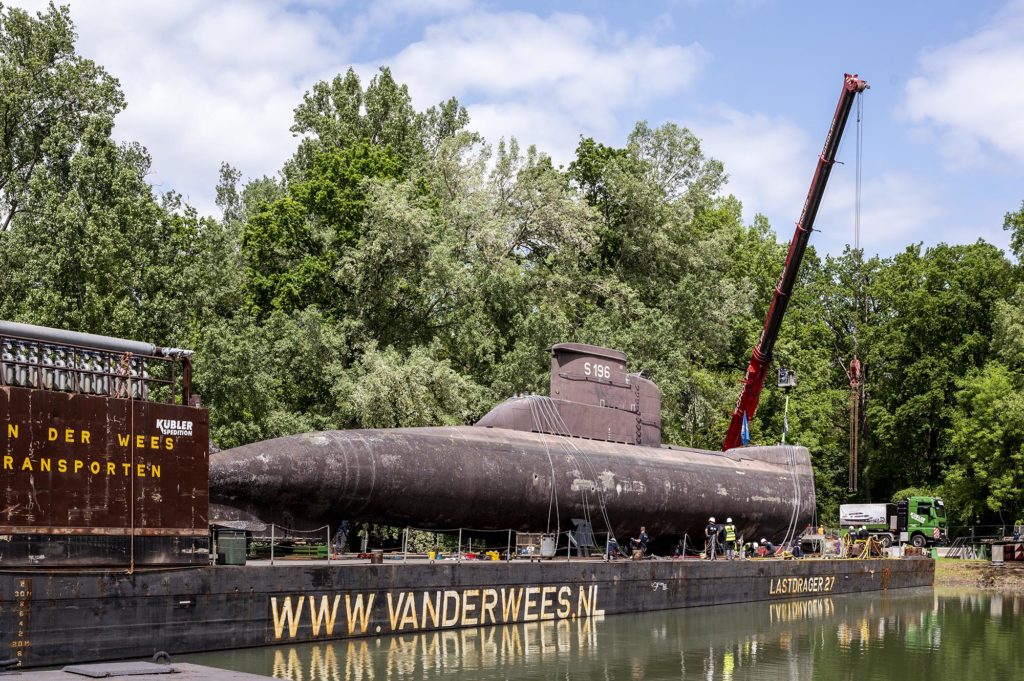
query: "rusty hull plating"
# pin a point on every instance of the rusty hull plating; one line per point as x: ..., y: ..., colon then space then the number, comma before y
x: 530, y: 464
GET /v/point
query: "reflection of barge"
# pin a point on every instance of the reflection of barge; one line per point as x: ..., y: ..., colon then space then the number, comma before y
x: 104, y: 555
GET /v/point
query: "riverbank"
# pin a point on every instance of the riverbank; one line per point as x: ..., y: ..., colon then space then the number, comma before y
x: 979, y: 574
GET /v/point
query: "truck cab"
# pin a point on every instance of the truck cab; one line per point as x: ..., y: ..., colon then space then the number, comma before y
x: 919, y: 517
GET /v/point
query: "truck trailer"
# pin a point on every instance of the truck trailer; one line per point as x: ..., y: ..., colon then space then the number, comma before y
x: 910, y: 521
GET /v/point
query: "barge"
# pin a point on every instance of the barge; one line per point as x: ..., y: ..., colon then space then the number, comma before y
x: 105, y: 522
x: 51, y: 618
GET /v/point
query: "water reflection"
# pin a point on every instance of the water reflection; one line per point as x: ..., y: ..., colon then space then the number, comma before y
x: 904, y: 634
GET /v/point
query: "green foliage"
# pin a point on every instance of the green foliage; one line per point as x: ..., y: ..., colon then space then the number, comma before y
x: 51, y: 101
x: 986, y: 445
x: 907, y: 492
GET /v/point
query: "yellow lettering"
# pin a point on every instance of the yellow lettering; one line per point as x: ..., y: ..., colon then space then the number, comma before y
x: 51, y: 434
x: 154, y: 470
x: 449, y: 597
x: 44, y: 465
x: 433, y: 608
x: 140, y: 469
x: 564, y: 604
x: 468, y: 607
x: 12, y: 430
x: 127, y: 468
x: 545, y: 601
x: 154, y: 442
x: 489, y: 600
x: 123, y: 439
x: 593, y: 601
x: 95, y: 467
x: 583, y: 603
x: 393, y: 612
x: 83, y: 436
x: 287, y: 616
x: 408, y: 612
x: 140, y: 442
x: 8, y: 463
x: 510, y: 604
x: 322, y: 615
x: 69, y: 435
x: 62, y: 465
x: 527, y: 615
x: 168, y: 443
x: 26, y: 464
x: 78, y: 465
x: 358, y: 612
x: 111, y: 468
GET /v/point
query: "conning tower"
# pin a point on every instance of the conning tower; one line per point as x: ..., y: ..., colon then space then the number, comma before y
x: 593, y: 396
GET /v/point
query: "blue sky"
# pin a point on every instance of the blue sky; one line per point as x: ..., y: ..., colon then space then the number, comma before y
x: 757, y: 80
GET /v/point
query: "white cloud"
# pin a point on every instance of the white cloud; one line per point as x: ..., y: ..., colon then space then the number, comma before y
x: 210, y: 82
x: 544, y: 80
x: 897, y: 208
x: 771, y: 161
x: 969, y: 92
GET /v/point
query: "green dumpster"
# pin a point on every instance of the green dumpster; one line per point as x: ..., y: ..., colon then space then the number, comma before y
x: 230, y: 547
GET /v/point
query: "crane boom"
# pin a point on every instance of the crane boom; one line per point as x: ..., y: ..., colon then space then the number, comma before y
x: 750, y: 394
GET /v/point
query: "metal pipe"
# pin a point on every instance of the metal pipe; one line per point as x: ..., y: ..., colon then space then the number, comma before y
x: 45, y: 334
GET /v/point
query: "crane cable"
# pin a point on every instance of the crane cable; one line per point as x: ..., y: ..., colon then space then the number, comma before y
x: 860, y: 304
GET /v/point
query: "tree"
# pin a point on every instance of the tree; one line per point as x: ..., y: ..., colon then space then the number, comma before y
x: 986, y: 445
x: 50, y: 100
x: 935, y: 319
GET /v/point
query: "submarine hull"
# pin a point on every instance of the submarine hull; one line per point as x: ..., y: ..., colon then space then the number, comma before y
x: 494, y: 478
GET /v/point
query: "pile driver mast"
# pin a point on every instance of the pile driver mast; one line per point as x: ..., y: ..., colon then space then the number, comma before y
x: 762, y: 353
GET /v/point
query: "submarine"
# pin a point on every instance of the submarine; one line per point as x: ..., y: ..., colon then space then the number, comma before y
x: 590, y: 452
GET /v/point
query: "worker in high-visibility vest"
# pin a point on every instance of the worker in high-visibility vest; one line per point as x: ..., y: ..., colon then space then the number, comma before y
x: 730, y: 539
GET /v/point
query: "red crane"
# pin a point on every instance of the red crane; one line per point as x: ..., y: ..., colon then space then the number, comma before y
x: 762, y: 353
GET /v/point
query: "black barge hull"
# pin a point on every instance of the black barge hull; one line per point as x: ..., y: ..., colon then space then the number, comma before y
x: 60, y: 617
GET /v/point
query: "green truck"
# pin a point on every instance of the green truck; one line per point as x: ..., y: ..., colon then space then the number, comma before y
x: 913, y: 520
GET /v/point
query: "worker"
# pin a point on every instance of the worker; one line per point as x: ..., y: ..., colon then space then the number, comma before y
x: 769, y: 548
x: 711, y: 539
x: 730, y: 539
x: 640, y: 543
x: 863, y: 532
x: 611, y: 549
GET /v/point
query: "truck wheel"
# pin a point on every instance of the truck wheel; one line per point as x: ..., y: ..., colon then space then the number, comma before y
x: 918, y: 540
x: 886, y: 540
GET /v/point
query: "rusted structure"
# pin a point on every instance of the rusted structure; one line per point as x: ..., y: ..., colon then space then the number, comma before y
x: 103, y: 460
x: 591, y: 451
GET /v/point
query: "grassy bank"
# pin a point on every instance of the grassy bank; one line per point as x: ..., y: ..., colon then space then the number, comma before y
x: 979, y: 574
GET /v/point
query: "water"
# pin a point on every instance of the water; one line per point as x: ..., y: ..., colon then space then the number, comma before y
x: 905, y: 635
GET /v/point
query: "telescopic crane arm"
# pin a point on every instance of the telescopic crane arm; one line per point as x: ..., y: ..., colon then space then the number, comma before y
x: 762, y: 353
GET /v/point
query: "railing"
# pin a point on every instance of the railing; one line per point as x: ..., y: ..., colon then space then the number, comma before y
x: 29, y: 363
x: 977, y: 533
